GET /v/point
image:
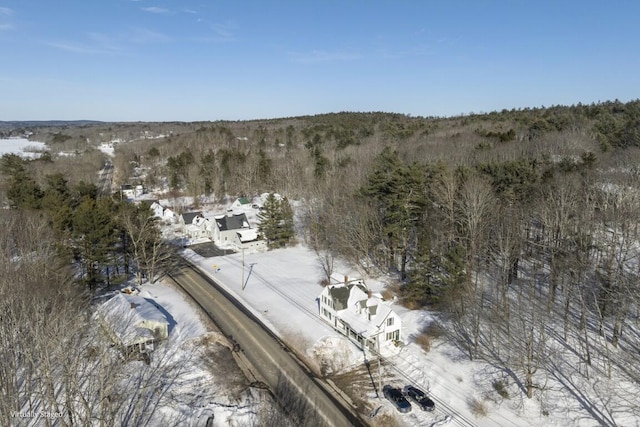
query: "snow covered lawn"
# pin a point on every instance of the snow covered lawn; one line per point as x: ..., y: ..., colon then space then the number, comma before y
x: 204, y: 379
x: 281, y: 287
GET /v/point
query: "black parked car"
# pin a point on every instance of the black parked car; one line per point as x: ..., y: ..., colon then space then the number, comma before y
x: 395, y: 396
x: 419, y: 397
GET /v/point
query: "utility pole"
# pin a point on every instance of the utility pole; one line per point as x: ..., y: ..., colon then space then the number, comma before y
x: 242, y: 282
x: 379, y: 362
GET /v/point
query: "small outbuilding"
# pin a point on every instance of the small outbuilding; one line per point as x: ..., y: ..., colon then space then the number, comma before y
x: 133, y: 323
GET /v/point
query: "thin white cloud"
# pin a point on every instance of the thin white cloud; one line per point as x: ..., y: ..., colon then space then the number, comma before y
x: 105, y: 41
x: 110, y: 44
x: 223, y: 32
x: 156, y: 10
x: 75, y: 47
x: 146, y: 36
x: 6, y: 11
x: 317, y: 56
x: 6, y: 27
x: 407, y: 52
x: 191, y: 11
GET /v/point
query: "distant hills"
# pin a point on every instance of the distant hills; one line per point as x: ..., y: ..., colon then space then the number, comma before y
x: 47, y: 123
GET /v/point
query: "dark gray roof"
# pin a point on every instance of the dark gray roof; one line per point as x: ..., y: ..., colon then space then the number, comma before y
x: 189, y: 216
x: 234, y: 222
x: 340, y: 296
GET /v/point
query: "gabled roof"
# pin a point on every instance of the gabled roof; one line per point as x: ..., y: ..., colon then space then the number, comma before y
x: 243, y: 201
x: 365, y: 312
x: 189, y: 216
x: 234, y: 222
x: 345, y: 295
x: 124, y: 314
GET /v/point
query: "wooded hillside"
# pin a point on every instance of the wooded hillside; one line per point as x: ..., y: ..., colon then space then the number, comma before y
x: 518, y: 225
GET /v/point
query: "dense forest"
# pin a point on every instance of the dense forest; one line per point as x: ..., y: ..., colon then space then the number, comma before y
x: 519, y: 226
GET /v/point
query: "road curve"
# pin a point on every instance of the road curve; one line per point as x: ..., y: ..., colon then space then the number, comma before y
x: 296, y: 387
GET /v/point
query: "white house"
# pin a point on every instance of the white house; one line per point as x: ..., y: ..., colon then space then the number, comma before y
x: 234, y: 230
x: 352, y: 309
x: 131, y: 191
x: 133, y: 323
x: 162, y: 212
x: 195, y: 225
x: 240, y: 204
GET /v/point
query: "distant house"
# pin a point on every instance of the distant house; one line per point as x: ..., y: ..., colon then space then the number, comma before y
x: 235, y: 230
x: 162, y: 212
x: 131, y: 191
x: 195, y: 225
x: 352, y: 309
x: 240, y: 204
x: 133, y: 323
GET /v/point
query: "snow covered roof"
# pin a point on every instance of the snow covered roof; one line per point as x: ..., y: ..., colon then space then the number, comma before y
x: 357, y: 293
x: 361, y: 323
x: 345, y: 296
x: 125, y: 313
x: 248, y: 235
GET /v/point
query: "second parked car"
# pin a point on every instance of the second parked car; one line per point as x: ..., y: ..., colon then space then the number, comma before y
x: 419, y: 396
x: 395, y: 396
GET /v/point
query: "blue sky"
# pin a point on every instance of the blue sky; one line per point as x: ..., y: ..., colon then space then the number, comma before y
x: 182, y: 60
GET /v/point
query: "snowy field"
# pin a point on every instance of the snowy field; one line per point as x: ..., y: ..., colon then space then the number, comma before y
x: 22, y: 147
x: 281, y: 287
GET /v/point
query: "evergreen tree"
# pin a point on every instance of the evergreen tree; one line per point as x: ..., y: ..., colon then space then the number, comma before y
x: 264, y: 166
x: 397, y: 192
x: 94, y: 236
x: 276, y: 222
x: 24, y: 192
x: 57, y: 202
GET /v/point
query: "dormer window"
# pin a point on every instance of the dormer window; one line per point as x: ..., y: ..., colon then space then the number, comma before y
x: 390, y: 321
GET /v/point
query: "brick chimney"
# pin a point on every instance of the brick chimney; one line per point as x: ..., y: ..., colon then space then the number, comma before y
x: 346, y: 279
x: 133, y: 305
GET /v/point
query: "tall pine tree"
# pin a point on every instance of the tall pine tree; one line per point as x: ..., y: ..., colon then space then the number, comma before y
x: 276, y: 222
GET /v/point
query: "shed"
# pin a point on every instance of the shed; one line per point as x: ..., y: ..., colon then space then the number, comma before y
x: 133, y: 323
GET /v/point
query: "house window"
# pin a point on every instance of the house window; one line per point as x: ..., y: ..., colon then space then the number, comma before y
x: 390, y: 321
x: 393, y: 336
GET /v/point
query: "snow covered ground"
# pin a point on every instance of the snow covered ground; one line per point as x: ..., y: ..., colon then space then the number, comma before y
x: 281, y: 287
x: 21, y: 146
x: 207, y: 382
